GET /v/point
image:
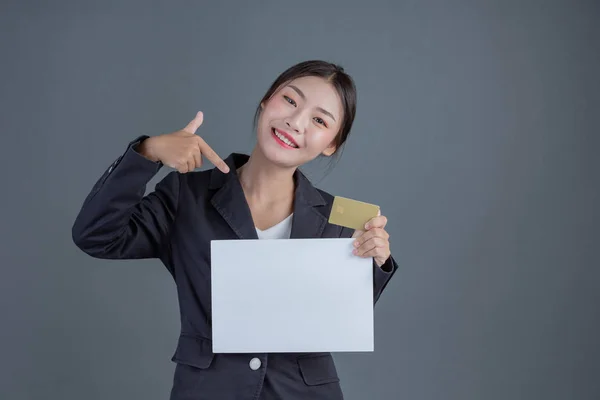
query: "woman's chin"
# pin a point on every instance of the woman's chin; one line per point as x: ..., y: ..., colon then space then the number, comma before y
x: 283, y: 158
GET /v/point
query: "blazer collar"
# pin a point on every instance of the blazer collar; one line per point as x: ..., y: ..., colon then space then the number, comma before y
x: 229, y: 200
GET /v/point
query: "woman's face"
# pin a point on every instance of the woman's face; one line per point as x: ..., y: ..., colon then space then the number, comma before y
x: 299, y: 122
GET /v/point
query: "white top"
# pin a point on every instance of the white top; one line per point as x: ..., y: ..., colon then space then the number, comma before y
x: 280, y: 231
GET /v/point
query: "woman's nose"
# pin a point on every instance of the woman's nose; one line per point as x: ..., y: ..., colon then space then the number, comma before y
x: 292, y: 125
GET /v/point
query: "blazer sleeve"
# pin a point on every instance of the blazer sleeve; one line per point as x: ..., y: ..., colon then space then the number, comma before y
x: 117, y: 221
x: 381, y: 275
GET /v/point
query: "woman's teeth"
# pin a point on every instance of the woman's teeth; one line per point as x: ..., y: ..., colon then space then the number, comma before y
x: 284, y: 139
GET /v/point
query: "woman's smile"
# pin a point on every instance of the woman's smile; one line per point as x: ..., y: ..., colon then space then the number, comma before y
x: 284, y: 139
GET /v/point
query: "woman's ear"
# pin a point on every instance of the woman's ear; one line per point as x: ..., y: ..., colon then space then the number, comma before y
x: 329, y: 151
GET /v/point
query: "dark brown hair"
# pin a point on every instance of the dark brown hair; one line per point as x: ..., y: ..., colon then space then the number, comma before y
x: 335, y: 75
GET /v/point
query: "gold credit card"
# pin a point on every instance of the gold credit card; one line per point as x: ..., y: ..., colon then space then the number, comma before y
x: 352, y: 213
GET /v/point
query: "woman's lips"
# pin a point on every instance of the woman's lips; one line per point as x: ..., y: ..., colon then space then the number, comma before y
x: 284, y: 139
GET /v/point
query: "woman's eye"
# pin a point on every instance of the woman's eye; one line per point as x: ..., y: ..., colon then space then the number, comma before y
x: 320, y: 121
x: 289, y: 100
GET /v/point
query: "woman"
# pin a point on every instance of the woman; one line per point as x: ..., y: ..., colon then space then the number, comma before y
x: 307, y: 112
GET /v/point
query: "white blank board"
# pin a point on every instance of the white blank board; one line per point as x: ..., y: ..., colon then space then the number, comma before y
x: 290, y: 295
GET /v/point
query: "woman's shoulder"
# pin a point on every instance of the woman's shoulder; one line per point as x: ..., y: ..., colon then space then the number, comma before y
x: 196, y: 179
x: 328, y: 197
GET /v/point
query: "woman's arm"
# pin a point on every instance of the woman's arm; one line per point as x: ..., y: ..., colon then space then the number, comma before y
x: 381, y: 274
x: 117, y: 221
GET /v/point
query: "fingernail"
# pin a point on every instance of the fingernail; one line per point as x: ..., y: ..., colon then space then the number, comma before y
x: 355, y: 252
x: 367, y: 226
x: 356, y: 243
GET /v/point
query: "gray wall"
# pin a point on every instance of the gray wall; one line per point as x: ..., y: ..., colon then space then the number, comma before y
x: 477, y: 133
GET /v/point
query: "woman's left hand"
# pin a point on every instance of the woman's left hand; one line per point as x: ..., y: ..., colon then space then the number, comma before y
x: 373, y: 241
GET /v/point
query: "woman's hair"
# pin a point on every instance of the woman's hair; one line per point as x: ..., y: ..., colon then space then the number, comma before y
x: 335, y: 75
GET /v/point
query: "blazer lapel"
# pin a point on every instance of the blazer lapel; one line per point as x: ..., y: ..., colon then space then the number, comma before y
x: 230, y: 201
x: 307, y: 221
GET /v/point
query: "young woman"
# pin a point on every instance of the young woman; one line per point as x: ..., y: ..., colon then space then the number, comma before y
x: 307, y: 112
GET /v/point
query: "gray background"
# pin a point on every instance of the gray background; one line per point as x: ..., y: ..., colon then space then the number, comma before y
x: 477, y: 133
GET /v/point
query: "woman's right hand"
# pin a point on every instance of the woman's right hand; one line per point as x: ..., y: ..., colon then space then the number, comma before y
x: 183, y: 149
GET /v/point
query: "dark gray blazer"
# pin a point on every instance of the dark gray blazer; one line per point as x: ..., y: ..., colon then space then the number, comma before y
x: 175, y: 223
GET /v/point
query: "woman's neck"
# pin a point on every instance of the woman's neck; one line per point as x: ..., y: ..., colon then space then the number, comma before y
x: 264, y: 182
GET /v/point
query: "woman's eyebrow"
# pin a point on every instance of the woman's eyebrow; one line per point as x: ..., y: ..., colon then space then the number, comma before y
x: 301, y: 94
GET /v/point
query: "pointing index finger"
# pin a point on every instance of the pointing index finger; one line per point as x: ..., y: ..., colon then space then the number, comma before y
x: 212, y: 156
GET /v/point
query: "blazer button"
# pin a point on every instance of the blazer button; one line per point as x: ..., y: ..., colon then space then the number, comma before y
x: 255, y: 364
